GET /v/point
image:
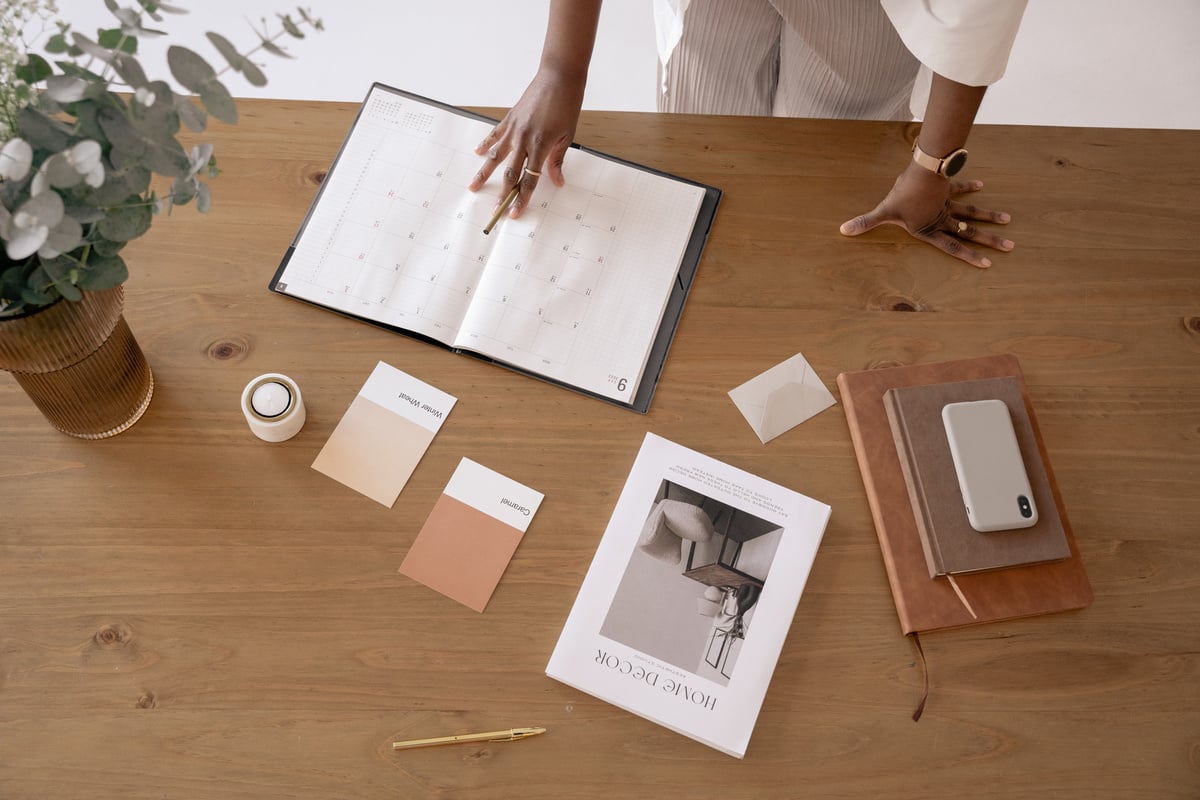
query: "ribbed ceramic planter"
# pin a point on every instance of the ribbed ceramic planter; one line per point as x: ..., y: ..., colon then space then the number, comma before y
x: 80, y: 364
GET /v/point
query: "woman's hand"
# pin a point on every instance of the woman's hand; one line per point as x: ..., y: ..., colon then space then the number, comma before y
x: 533, y: 137
x: 923, y: 204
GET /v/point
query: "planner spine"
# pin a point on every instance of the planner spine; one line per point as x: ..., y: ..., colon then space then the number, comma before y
x: 917, y: 495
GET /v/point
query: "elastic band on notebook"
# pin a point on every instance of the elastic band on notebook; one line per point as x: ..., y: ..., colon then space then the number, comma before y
x: 925, y: 672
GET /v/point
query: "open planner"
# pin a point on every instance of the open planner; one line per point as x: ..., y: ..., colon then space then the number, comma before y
x: 584, y: 290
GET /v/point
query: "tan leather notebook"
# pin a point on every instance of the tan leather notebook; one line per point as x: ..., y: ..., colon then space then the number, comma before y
x: 922, y: 603
x: 951, y: 545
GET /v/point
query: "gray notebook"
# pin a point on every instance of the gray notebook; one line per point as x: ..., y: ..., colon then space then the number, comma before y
x: 951, y: 545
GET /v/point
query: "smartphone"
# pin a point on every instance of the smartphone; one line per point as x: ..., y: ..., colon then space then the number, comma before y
x: 987, y: 459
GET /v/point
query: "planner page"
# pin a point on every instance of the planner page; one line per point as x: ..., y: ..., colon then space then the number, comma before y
x: 574, y: 290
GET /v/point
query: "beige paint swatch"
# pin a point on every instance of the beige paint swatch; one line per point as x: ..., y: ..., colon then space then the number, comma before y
x: 383, y: 435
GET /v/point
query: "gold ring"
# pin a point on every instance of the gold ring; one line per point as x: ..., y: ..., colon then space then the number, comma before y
x: 962, y: 227
x: 533, y: 172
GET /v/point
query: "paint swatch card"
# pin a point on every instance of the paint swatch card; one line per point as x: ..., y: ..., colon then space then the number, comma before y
x: 471, y: 534
x: 382, y: 436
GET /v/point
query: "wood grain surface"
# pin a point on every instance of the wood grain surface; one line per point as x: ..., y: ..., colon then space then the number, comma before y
x: 189, y: 612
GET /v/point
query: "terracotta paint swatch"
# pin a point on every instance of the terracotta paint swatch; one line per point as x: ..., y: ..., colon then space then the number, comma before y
x: 471, y: 534
x: 383, y: 435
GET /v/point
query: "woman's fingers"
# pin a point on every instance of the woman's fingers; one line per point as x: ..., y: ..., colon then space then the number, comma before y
x: 955, y: 246
x: 971, y: 211
x: 972, y: 233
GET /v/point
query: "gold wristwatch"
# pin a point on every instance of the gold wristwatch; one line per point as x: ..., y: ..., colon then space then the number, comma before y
x: 946, y: 167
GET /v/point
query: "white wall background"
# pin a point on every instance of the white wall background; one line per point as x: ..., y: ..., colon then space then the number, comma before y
x: 1104, y: 63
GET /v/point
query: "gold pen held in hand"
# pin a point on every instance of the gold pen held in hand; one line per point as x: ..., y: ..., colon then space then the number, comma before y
x: 504, y: 204
x: 510, y: 735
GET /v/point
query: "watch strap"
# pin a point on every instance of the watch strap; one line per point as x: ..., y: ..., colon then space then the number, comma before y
x: 934, y: 164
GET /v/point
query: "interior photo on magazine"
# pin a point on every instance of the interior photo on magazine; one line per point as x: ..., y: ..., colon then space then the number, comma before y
x: 688, y: 600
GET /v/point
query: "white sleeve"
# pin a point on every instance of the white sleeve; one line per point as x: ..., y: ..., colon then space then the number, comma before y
x: 967, y: 41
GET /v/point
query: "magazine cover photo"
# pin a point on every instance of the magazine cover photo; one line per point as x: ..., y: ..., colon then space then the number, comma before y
x: 690, y: 588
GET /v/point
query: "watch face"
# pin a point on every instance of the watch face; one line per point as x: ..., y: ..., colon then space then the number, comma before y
x: 954, y: 163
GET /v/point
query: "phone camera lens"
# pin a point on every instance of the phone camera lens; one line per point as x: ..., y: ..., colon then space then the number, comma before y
x: 1024, y: 506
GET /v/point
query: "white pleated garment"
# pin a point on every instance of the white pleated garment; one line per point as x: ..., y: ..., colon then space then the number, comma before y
x: 856, y: 59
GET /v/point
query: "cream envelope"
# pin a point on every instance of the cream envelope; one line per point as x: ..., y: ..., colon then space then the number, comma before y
x: 782, y: 397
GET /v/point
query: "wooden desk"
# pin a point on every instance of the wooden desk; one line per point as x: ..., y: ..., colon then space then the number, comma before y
x: 189, y: 612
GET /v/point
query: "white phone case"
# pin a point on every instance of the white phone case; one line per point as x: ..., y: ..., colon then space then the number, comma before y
x: 987, y: 459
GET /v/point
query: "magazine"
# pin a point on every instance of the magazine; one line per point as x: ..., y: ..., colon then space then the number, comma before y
x: 685, y: 608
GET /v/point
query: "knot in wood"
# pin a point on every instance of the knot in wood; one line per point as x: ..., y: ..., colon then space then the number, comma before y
x: 147, y: 700
x: 890, y: 301
x: 232, y: 348
x: 112, y: 636
x: 1192, y: 325
x: 317, y: 177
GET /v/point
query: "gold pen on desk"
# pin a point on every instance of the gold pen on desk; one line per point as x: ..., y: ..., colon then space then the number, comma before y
x: 511, y: 735
x: 504, y: 204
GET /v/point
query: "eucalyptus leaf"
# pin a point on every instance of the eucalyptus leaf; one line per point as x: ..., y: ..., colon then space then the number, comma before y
x: 47, y: 208
x: 118, y: 40
x: 119, y: 184
x: 66, y: 236
x: 84, y: 215
x: 105, y: 248
x: 194, y: 117
x: 42, y: 131
x: 237, y: 61
x: 219, y: 102
x: 159, y: 121
x: 130, y: 70
x: 127, y: 17
x: 11, y: 194
x: 66, y: 88
x: 35, y: 70
x: 61, y: 172
x: 163, y: 93
x: 151, y: 9
x: 273, y: 48
x: 85, y: 116
x: 69, y: 68
x: 160, y: 151
x: 254, y: 76
x: 39, y: 296
x: 127, y: 222
x: 203, y: 198
x: 91, y: 48
x: 131, y: 23
x: 292, y: 29
x: 189, y: 68
x: 57, y: 44
x: 227, y: 50
x: 59, y: 271
x: 12, y: 281
x: 103, y: 272
x: 182, y: 191
x: 39, y: 288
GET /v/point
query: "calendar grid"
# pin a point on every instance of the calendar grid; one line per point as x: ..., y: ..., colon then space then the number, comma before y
x: 574, y: 289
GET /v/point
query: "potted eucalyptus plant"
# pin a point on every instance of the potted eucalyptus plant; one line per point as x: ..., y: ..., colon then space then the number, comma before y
x: 84, y: 131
